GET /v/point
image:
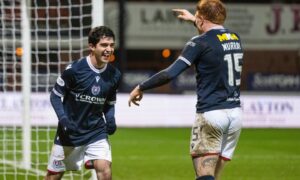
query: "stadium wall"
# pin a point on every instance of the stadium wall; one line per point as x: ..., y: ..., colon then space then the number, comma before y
x: 261, y: 26
x: 260, y: 110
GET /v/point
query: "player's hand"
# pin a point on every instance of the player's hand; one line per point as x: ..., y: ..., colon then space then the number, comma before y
x: 135, y: 96
x: 184, y: 15
x: 111, y: 128
x: 65, y: 124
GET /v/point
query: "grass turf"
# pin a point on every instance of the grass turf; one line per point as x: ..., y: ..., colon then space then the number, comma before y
x: 163, y: 154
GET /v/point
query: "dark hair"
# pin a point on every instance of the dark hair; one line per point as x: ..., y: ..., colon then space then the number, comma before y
x: 99, y: 32
x: 212, y: 10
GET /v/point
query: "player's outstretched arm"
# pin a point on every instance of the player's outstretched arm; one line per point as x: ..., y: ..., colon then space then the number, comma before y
x: 184, y: 15
x: 158, y: 79
x: 135, y: 96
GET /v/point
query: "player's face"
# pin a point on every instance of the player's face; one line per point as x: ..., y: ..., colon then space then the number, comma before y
x: 104, y: 49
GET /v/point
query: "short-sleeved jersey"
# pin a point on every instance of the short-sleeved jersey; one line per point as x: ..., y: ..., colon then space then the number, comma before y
x: 85, y: 91
x: 218, y: 58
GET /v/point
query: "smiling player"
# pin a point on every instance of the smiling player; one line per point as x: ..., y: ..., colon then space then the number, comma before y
x: 87, y: 114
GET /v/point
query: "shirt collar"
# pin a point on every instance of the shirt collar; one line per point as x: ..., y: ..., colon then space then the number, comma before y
x: 216, y: 27
x: 88, y: 59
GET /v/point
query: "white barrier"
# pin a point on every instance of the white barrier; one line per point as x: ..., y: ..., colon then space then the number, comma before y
x: 162, y: 110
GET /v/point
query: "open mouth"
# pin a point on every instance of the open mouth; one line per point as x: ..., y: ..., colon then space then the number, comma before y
x: 106, y: 55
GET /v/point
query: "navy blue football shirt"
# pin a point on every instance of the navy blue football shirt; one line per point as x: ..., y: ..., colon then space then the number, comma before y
x: 218, y: 57
x: 86, y: 91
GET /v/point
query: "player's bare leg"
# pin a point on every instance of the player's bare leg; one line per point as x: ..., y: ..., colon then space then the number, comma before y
x: 54, y: 176
x: 103, y: 169
x: 219, y: 168
x: 205, y: 165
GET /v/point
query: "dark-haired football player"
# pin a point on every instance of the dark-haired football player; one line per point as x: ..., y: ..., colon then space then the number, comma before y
x: 86, y: 113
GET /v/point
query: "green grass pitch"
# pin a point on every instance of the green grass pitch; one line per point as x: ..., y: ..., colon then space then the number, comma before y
x: 163, y: 154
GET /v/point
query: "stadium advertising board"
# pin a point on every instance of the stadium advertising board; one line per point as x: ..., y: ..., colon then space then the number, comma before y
x: 273, y: 82
x: 271, y: 111
x: 161, y: 110
x: 185, y: 82
x: 152, y: 25
x: 133, y: 78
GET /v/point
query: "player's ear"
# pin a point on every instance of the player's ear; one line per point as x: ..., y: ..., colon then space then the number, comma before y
x: 91, y: 47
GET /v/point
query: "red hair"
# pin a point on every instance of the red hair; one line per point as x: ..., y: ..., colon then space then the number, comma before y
x: 212, y: 10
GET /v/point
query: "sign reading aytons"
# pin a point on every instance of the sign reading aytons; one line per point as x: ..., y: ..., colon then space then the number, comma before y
x: 173, y: 110
x: 152, y: 25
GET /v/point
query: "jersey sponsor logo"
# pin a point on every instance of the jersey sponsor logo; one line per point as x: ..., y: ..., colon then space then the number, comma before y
x: 233, y: 99
x: 60, y: 81
x: 95, y: 90
x: 97, y: 78
x: 89, y: 99
x: 227, y: 37
x: 236, y: 97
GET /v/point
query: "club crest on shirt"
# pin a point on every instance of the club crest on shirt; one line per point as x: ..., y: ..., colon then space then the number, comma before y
x: 95, y: 90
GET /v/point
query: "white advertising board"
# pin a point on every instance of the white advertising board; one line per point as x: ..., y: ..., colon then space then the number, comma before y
x: 152, y: 25
x: 161, y: 111
x: 11, y: 109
